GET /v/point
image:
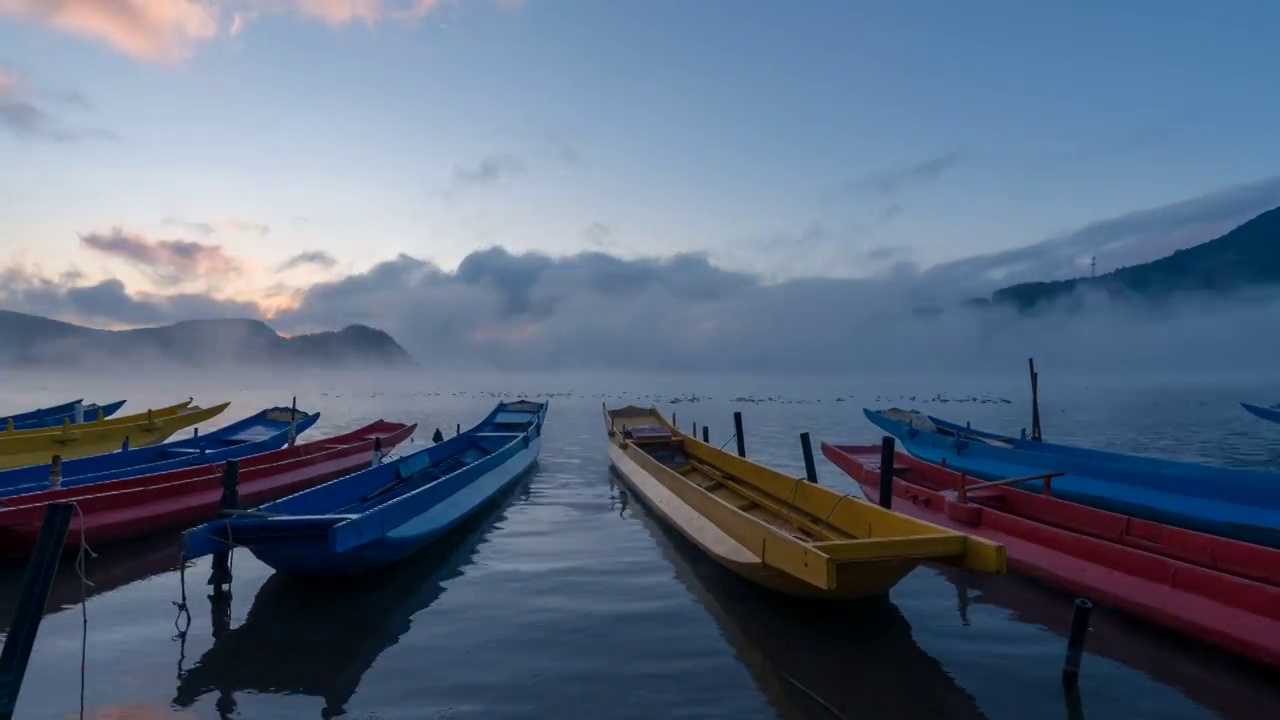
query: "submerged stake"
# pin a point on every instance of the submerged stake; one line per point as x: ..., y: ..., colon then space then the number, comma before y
x: 806, y: 448
x: 1075, y: 642
x: 737, y: 432
x: 886, y: 472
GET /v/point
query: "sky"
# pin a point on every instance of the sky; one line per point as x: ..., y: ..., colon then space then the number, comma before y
x: 319, y: 162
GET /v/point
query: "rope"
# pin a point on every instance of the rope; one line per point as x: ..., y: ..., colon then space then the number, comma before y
x: 731, y: 439
x: 822, y: 526
x: 85, y: 584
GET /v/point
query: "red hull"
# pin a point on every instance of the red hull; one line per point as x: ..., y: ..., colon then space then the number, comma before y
x: 133, y: 507
x: 1221, y: 591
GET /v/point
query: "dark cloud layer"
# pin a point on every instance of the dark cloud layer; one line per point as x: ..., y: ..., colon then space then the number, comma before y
x: 314, y: 258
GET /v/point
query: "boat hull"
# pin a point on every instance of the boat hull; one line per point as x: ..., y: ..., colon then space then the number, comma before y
x: 307, y: 554
x: 53, y: 417
x: 135, y: 507
x: 1078, y: 550
x: 1250, y: 513
x: 250, y: 436
x: 866, y: 580
x: 1268, y: 414
x: 75, y: 441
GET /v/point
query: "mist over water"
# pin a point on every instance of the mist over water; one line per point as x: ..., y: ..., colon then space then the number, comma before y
x: 568, y: 600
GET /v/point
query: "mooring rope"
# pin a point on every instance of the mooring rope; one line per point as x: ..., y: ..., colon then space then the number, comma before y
x: 84, y: 552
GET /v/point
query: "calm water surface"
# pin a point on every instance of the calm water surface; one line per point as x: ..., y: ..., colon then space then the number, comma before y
x: 566, y: 599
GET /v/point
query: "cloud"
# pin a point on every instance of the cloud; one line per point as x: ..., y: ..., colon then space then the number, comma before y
x: 108, y: 302
x: 231, y: 226
x: 894, y: 181
x: 168, y: 262
x: 598, y: 234
x: 501, y: 310
x: 24, y: 111
x: 170, y: 30
x: 1129, y: 239
x: 317, y: 258
x: 491, y: 170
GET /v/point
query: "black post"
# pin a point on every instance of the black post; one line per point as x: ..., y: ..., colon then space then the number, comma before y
x: 695, y: 429
x: 806, y: 448
x: 737, y: 432
x: 1075, y: 643
x: 706, y: 435
x: 1035, y: 400
x: 886, y: 472
x: 458, y: 429
x: 37, y: 581
x: 377, y: 451
x: 220, y: 573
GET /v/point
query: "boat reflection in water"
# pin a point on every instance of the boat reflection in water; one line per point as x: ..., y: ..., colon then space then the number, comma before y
x: 815, y: 659
x: 1226, y: 685
x: 113, y: 567
x: 308, y: 637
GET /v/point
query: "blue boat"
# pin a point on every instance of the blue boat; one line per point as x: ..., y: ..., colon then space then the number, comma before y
x: 1239, y: 504
x: 380, y: 515
x: 53, y: 417
x: 1266, y: 413
x: 262, y: 432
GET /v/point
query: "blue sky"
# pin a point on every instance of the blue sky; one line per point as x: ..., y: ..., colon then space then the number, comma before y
x: 782, y: 139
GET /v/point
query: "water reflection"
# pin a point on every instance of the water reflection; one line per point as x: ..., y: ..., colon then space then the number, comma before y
x: 1230, y: 687
x: 115, y: 566
x: 318, y: 638
x: 816, y: 659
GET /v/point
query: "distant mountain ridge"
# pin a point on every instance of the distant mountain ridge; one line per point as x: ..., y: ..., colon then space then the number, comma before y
x: 31, y: 340
x: 1246, y: 257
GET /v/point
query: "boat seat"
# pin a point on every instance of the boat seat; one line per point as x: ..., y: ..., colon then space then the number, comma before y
x: 182, y: 452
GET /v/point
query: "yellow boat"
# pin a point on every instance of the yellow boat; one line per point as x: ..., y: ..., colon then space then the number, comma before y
x: 24, y: 447
x: 156, y: 413
x: 784, y: 533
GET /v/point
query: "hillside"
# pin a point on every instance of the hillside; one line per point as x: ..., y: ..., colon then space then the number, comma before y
x: 1246, y: 257
x: 30, y: 340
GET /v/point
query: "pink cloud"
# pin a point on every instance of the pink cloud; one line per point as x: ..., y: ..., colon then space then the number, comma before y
x: 168, y: 262
x: 169, y: 30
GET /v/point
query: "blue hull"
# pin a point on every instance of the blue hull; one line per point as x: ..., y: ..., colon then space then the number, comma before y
x: 1108, y: 461
x: 1247, y: 510
x: 265, y: 431
x: 379, y: 516
x: 1271, y: 414
x: 53, y: 417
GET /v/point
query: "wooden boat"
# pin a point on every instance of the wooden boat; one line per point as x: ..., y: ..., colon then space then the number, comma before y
x: 152, y: 413
x: 383, y: 514
x: 266, y: 430
x: 1083, y: 457
x: 137, y: 506
x: 1266, y: 413
x: 1214, y: 589
x: 1243, y: 510
x: 77, y: 412
x: 31, y: 447
x: 792, y: 536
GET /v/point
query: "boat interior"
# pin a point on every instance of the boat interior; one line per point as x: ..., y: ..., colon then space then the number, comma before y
x: 810, y: 514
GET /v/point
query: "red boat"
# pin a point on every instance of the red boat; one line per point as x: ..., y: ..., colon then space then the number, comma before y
x: 1221, y: 591
x: 137, y: 506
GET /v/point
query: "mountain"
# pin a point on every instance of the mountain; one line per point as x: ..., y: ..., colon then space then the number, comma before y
x: 30, y: 340
x: 1246, y: 257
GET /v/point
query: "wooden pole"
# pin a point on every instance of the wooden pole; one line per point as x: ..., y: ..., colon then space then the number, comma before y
x: 37, y: 581
x: 806, y: 449
x: 706, y: 435
x: 737, y: 432
x: 886, y: 471
x: 1075, y: 642
x: 1035, y: 400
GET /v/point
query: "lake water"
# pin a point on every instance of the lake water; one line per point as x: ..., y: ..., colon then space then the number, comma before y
x: 568, y: 600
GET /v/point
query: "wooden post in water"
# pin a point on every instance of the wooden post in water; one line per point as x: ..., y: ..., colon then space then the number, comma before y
x: 706, y: 435
x: 37, y: 581
x: 737, y: 432
x: 293, y: 421
x: 806, y: 449
x: 1035, y: 400
x: 886, y: 472
x: 1075, y: 643
x: 458, y: 430
x: 220, y: 573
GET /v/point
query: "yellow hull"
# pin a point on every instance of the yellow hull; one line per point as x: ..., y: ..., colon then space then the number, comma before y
x: 157, y: 413
x: 85, y: 439
x: 781, y: 532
